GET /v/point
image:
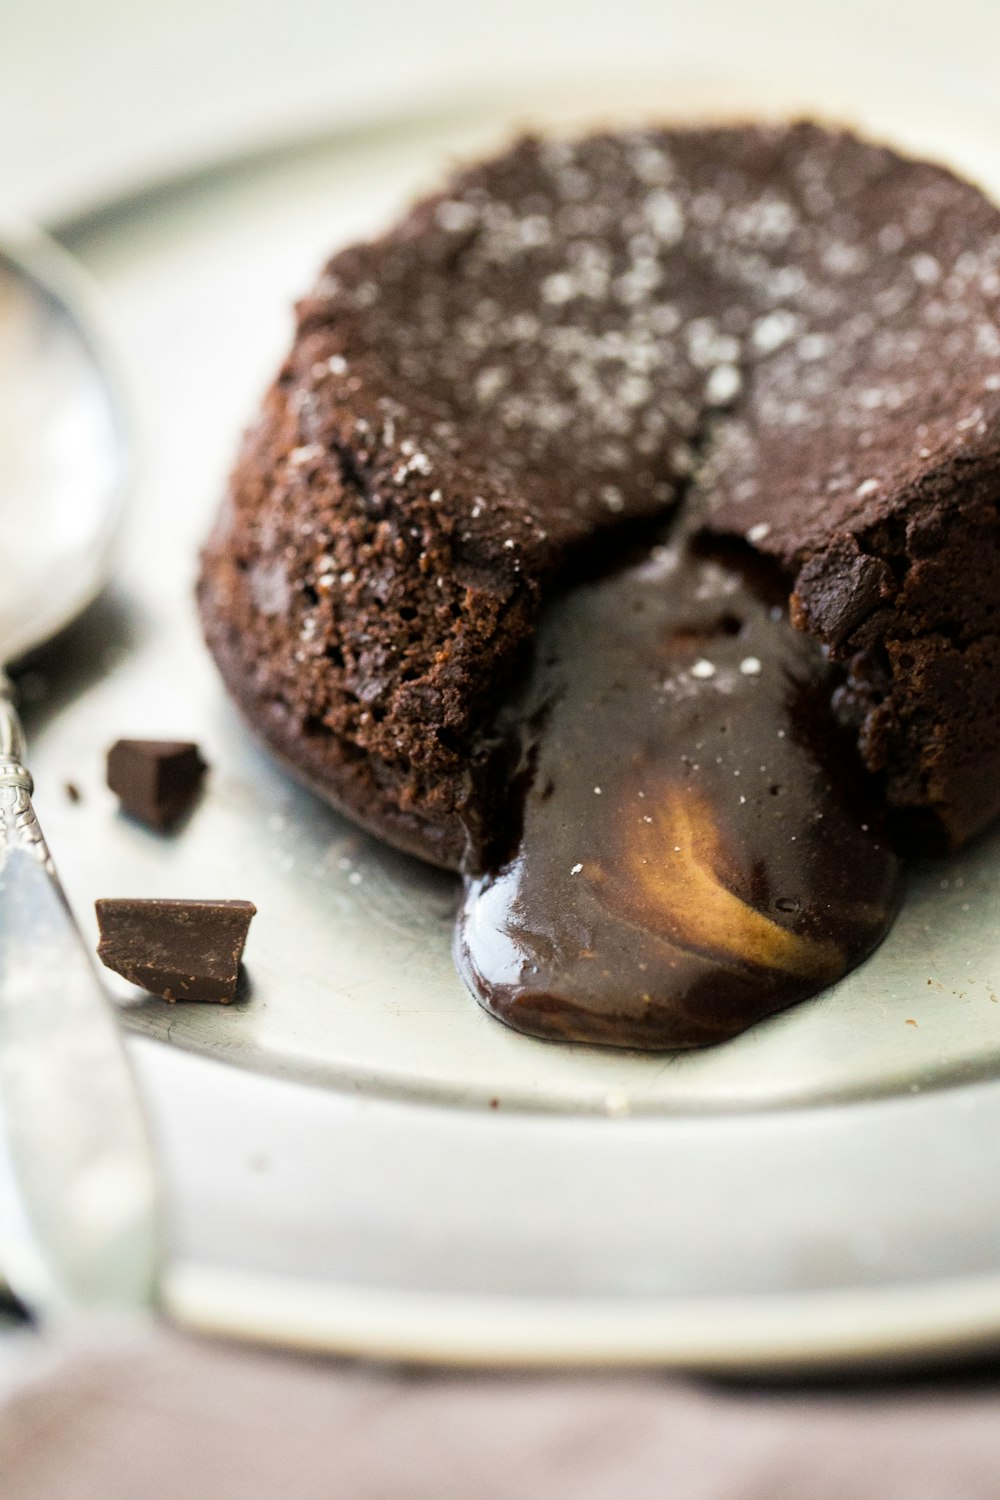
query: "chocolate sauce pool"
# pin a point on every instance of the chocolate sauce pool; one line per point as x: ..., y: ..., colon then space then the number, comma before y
x: 694, y: 850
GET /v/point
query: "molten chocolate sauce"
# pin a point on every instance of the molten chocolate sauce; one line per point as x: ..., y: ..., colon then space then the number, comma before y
x: 694, y: 849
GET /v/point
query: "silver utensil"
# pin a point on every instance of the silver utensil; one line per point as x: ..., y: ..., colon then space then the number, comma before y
x: 78, y: 1197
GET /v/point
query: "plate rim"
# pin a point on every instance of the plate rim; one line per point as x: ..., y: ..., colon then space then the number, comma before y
x: 891, y: 1327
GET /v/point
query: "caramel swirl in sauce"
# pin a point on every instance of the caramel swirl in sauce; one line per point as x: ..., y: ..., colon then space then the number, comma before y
x: 693, y: 848
x: 676, y: 878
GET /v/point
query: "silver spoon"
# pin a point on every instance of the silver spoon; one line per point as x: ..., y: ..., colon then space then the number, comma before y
x: 78, y: 1198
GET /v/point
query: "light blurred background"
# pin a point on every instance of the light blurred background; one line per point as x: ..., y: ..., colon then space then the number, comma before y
x: 96, y: 95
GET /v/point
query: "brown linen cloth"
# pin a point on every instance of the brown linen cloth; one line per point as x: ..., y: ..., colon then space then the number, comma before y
x: 171, y: 1417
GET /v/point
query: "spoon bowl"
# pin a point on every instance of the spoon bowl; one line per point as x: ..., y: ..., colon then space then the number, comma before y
x: 64, y: 453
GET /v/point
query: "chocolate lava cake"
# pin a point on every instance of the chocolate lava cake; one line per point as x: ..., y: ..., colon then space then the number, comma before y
x: 623, y: 530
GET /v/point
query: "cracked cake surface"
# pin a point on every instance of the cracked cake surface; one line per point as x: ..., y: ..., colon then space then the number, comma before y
x: 794, y: 332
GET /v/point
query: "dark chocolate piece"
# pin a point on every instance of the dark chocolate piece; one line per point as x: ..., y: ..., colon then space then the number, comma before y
x: 179, y: 950
x: 535, y: 358
x: 155, y: 780
x: 836, y: 593
x: 695, y: 847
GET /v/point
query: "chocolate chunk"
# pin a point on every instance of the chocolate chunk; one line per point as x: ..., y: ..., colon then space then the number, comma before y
x: 179, y: 950
x: 155, y: 780
x: 838, y: 589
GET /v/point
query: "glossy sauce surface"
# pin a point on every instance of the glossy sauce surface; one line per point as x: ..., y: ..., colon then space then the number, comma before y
x: 691, y: 848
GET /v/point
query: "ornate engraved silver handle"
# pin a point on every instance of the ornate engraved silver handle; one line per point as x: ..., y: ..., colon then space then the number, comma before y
x: 18, y: 824
x: 78, y: 1195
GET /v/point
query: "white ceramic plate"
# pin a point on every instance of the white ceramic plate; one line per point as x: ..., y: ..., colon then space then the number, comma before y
x: 387, y: 1169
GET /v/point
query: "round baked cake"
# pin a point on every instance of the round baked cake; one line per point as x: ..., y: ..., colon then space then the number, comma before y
x: 789, y: 332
